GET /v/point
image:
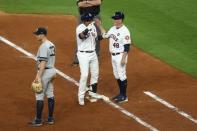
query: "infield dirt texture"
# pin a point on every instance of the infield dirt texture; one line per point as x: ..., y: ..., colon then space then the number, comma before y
x: 145, y: 73
x: 163, y: 61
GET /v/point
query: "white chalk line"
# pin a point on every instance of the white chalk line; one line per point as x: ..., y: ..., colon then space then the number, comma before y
x: 109, y: 102
x: 170, y: 106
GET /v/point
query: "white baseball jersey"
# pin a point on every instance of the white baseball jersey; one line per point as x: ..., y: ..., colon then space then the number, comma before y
x: 118, y: 37
x: 87, y: 44
x: 46, y: 52
x: 88, y: 61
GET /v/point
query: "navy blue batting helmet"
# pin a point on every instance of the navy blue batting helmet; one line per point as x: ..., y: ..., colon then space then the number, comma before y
x: 87, y: 17
x: 40, y: 31
x: 118, y: 15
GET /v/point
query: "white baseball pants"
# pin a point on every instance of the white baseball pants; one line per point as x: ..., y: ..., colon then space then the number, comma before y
x: 119, y: 70
x: 87, y: 62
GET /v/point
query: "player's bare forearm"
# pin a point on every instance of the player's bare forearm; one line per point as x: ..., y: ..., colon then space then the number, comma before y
x: 94, y: 2
x: 42, y: 66
x: 123, y: 61
x: 102, y: 29
x: 84, y: 4
x: 88, y: 3
x: 124, y: 55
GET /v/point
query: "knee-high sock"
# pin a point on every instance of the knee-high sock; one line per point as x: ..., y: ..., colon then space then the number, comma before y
x: 94, y: 87
x: 123, y: 87
x: 51, y: 104
x: 39, y: 108
x: 119, y: 85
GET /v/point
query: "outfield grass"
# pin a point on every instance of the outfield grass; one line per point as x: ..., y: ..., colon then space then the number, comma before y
x: 39, y: 6
x: 166, y: 29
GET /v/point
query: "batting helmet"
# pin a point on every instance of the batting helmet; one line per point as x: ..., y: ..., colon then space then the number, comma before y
x: 40, y: 30
x: 87, y: 17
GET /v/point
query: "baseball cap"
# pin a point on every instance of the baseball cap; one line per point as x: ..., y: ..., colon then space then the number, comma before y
x: 87, y: 17
x: 40, y: 30
x: 118, y: 15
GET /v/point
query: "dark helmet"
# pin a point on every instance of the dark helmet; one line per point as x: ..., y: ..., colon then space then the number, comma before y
x: 40, y: 31
x: 87, y: 17
x: 118, y: 15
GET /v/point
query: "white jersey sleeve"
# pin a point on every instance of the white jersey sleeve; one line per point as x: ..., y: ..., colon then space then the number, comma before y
x: 126, y: 37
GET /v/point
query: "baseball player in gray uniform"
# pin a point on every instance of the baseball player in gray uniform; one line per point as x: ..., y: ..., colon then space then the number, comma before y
x: 88, y: 60
x: 119, y: 45
x: 45, y: 73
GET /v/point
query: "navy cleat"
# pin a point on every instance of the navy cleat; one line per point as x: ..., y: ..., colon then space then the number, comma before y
x: 121, y: 99
x: 50, y: 121
x: 35, y: 123
x: 116, y: 97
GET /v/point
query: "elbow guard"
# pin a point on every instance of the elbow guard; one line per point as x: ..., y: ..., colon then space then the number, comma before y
x: 100, y: 37
x: 80, y: 36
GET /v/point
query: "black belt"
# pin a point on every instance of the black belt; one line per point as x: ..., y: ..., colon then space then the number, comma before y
x: 115, y: 54
x: 90, y: 51
x: 45, y: 68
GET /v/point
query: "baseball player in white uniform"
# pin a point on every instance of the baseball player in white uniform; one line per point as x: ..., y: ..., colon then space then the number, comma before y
x: 45, y: 73
x: 119, y: 44
x: 88, y: 60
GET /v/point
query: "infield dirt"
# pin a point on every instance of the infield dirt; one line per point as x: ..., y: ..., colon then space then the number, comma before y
x: 145, y: 73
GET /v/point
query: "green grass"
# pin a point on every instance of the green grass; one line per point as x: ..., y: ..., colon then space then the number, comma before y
x: 166, y: 29
x: 39, y: 6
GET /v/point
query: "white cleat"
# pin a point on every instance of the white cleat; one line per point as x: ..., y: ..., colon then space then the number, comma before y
x: 81, y: 102
x: 95, y: 95
x: 91, y: 99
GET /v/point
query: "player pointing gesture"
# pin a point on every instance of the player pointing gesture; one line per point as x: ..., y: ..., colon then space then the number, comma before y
x: 88, y: 60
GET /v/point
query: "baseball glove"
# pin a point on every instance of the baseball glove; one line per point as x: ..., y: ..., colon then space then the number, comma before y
x: 37, y: 87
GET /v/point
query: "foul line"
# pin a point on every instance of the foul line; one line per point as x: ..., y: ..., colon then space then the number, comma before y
x: 170, y: 106
x: 124, y: 111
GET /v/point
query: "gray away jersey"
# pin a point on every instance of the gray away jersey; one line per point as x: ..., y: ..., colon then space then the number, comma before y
x: 46, y: 52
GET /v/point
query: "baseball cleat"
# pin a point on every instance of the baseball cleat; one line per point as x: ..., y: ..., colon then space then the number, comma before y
x: 35, y: 123
x: 122, y: 99
x: 49, y: 121
x: 116, y: 97
x: 81, y: 101
x: 91, y: 99
x: 95, y: 95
